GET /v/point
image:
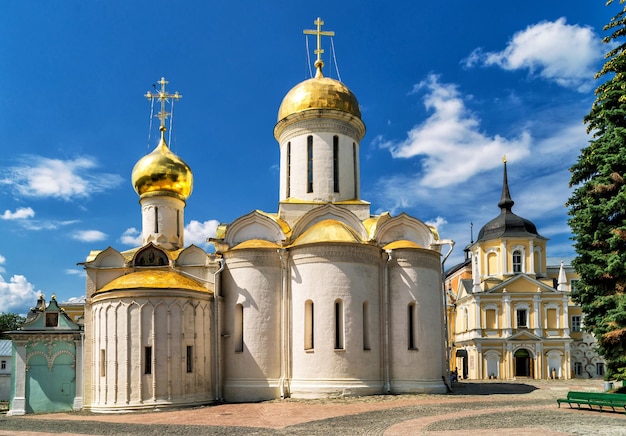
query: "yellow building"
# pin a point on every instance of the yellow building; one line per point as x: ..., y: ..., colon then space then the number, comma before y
x: 511, y: 315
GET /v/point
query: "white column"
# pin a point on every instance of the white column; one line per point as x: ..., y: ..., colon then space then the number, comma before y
x: 18, y: 403
x: 509, y: 356
x: 506, y: 324
x: 565, y: 316
x: 567, y: 373
x: 79, y: 368
x: 477, y: 322
x: 540, y: 362
x: 475, y: 274
x: 504, y: 256
x: 536, y: 308
x: 531, y: 263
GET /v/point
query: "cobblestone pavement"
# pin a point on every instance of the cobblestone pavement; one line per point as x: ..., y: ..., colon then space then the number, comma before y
x: 477, y: 408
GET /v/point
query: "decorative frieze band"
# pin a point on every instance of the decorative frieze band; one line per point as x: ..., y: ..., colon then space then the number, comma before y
x: 362, y: 254
x: 320, y: 125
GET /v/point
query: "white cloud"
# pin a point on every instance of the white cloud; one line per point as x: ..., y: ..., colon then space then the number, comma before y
x: 37, y: 225
x: 197, y: 232
x: 56, y: 178
x: 2, y: 262
x: 437, y: 222
x: 554, y: 50
x: 450, y: 142
x: 17, y: 295
x: 75, y: 272
x: 89, y: 235
x: 20, y: 213
x: 131, y: 236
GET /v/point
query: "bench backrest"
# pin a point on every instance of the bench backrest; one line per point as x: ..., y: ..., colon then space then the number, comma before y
x: 574, y: 395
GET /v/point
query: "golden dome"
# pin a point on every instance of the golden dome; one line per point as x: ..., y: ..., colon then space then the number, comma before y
x: 403, y: 243
x: 153, y: 279
x: 329, y: 230
x: 256, y: 243
x: 162, y: 172
x: 319, y: 93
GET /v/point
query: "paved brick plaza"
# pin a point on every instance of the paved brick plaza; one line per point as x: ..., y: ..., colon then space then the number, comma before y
x: 517, y: 408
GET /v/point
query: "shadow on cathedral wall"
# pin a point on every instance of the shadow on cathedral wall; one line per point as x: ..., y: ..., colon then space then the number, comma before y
x: 478, y: 388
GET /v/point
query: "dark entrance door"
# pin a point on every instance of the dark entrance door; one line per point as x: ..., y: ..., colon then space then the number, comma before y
x: 522, y: 363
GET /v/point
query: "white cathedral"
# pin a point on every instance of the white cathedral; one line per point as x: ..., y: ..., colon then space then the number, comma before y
x: 318, y: 299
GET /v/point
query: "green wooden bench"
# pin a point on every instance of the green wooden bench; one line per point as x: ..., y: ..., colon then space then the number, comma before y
x: 599, y: 399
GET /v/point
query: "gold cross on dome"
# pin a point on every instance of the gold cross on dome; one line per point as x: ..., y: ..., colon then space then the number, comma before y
x: 162, y: 96
x: 319, y: 23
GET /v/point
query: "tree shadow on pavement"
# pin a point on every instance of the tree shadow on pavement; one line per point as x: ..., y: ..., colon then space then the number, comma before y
x: 477, y: 388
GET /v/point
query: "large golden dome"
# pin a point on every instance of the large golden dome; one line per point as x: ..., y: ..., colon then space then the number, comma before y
x: 319, y: 93
x: 162, y: 172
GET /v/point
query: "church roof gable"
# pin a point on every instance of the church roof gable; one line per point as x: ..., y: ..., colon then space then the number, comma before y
x: 256, y: 225
x: 329, y: 213
x: 521, y: 283
x: 405, y: 227
x: 524, y: 335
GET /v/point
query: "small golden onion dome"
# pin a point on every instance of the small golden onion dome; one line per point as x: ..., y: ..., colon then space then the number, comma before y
x: 162, y: 172
x: 319, y: 93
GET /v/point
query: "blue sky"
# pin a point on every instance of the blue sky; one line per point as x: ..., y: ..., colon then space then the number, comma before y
x: 446, y: 89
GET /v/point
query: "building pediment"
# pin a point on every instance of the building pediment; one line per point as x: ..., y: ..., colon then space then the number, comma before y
x: 464, y: 289
x: 521, y: 283
x: 524, y: 335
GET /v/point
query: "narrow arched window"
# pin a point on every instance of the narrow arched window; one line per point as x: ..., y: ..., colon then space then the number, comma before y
x: 147, y: 360
x: 412, y: 326
x: 517, y: 261
x: 366, y: 326
x: 492, y: 267
x: 178, y: 223
x: 336, y: 163
x: 490, y: 319
x: 288, y: 181
x: 308, y: 325
x: 339, y: 331
x: 355, y: 166
x: 238, y: 328
x: 309, y: 167
x: 522, y: 317
x: 189, y: 358
x: 156, y: 220
x: 551, y: 318
x: 103, y: 362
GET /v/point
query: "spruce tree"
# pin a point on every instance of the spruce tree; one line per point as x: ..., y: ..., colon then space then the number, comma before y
x: 597, y: 207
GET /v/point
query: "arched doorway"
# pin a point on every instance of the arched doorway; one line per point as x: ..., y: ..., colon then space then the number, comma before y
x: 522, y: 360
x: 50, y: 389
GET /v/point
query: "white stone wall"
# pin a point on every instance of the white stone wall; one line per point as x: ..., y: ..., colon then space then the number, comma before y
x: 252, y: 278
x: 123, y: 325
x: 322, y: 274
x: 415, y: 278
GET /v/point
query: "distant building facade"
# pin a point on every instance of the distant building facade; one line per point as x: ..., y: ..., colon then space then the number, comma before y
x: 510, y: 314
x: 5, y: 369
x: 47, y: 362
